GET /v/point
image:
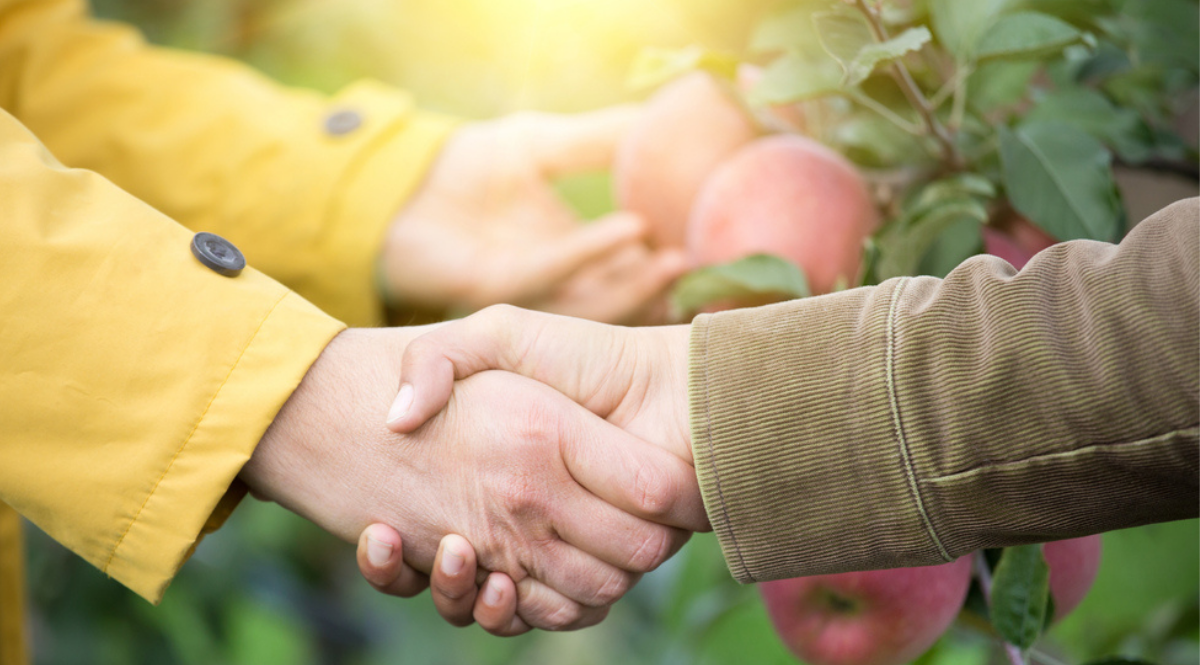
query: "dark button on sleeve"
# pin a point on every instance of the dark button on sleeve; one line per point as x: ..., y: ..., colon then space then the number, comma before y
x: 218, y: 253
x: 342, y: 122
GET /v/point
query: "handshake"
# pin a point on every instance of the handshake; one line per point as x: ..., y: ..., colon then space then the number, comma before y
x: 551, y: 485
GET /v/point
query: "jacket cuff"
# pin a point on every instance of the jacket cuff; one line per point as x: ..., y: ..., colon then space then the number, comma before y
x: 773, y: 391
x: 387, y: 172
x: 198, y: 489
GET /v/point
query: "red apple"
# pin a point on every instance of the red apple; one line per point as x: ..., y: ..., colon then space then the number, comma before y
x: 789, y: 196
x: 1019, y: 240
x: 879, y: 617
x: 684, y: 132
x: 1073, y: 565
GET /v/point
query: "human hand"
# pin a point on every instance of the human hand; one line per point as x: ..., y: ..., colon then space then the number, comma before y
x: 516, y: 468
x: 636, y: 378
x: 452, y: 582
x: 486, y: 227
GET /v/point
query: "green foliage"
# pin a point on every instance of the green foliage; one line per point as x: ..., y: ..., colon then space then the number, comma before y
x: 849, y: 40
x: 1026, y: 35
x: 960, y: 25
x: 759, y: 278
x: 1020, y: 595
x: 958, y: 202
x: 797, y: 77
x: 1060, y: 177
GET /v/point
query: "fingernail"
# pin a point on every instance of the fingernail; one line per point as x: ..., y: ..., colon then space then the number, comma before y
x: 452, y: 562
x: 491, y: 595
x: 378, y: 553
x: 404, y: 400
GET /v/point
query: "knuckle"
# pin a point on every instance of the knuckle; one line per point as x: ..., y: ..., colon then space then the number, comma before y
x: 450, y: 593
x: 612, y: 589
x: 654, y: 549
x: 561, y: 617
x: 654, y: 491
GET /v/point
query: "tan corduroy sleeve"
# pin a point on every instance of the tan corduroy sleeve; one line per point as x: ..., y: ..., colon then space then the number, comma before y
x: 914, y: 422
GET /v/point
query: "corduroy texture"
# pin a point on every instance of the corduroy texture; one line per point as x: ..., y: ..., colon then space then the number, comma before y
x: 914, y: 422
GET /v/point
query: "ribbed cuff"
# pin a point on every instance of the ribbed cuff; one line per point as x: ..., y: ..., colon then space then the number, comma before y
x: 794, y: 438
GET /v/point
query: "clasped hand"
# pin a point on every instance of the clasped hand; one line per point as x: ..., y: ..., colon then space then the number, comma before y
x: 556, y: 497
x: 633, y: 378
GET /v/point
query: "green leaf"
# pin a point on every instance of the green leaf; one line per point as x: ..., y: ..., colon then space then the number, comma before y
x: 903, y: 244
x: 795, y: 77
x: 950, y: 204
x: 960, y: 24
x: 957, y: 243
x: 1120, y: 661
x: 1165, y: 32
x: 870, y: 140
x: 999, y: 83
x: 757, y: 277
x: 1119, y: 127
x: 1026, y: 35
x: 1020, y: 588
x: 1060, y: 177
x: 873, y: 55
x: 843, y: 35
x: 849, y: 40
x: 655, y: 66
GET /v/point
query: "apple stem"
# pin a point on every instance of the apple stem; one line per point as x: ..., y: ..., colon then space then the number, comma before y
x: 984, y: 575
x: 911, y: 91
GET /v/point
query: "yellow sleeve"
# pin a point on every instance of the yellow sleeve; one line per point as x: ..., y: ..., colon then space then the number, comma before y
x: 136, y: 381
x: 302, y: 183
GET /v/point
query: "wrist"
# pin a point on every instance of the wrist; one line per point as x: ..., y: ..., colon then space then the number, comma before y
x: 671, y: 349
x: 309, y: 450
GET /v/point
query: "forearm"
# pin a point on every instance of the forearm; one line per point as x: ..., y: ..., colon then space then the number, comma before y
x: 137, y: 381
x: 304, y: 184
x: 913, y: 422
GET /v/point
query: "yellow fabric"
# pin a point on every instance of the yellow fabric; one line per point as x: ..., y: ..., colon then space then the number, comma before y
x: 217, y: 147
x: 136, y: 382
x: 12, y: 592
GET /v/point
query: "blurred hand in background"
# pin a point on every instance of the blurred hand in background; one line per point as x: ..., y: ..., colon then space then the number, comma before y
x: 487, y: 227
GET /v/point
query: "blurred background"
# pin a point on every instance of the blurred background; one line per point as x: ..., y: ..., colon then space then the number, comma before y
x: 270, y: 588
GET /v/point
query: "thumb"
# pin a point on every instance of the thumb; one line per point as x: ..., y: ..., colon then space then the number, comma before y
x: 555, y: 350
x: 565, y: 144
x: 432, y: 362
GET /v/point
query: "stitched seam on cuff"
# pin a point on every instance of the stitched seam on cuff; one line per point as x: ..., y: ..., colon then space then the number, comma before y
x: 1168, y: 437
x: 712, y: 456
x: 898, y: 423
x: 188, y: 438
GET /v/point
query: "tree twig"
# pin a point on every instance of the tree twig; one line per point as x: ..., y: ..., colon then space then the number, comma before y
x: 984, y: 575
x: 888, y: 114
x: 1183, y: 169
x: 911, y: 91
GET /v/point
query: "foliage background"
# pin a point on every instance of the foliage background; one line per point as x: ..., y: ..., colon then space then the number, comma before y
x: 271, y: 588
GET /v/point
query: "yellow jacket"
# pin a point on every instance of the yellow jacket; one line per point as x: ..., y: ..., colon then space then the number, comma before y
x: 136, y: 381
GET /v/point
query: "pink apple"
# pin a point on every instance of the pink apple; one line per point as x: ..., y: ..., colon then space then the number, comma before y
x: 880, y: 617
x: 789, y: 196
x: 1073, y: 567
